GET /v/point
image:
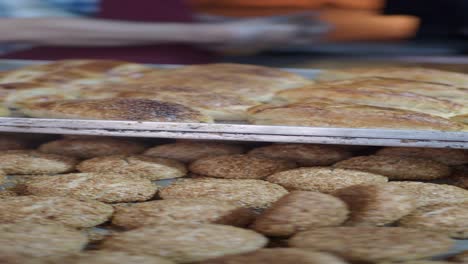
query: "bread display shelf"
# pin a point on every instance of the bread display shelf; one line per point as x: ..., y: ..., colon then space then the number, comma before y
x: 232, y: 132
x: 238, y: 132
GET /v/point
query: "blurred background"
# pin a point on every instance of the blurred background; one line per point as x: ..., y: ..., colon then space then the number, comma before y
x: 365, y: 32
x: 284, y: 33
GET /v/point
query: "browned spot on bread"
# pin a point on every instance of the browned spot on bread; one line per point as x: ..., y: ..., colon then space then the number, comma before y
x: 116, y: 109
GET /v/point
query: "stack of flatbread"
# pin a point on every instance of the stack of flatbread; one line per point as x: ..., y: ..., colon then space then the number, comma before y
x: 396, y: 98
x: 72, y: 88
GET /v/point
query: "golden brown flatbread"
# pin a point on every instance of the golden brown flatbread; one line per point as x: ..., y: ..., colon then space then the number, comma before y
x: 332, y: 114
x: 375, y: 94
x: 461, y: 119
x: 254, y: 82
x: 116, y: 109
x: 455, y: 94
x: 403, y: 73
x: 220, y: 106
x: 62, y: 71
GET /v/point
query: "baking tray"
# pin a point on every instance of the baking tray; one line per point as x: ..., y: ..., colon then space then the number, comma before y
x: 233, y: 132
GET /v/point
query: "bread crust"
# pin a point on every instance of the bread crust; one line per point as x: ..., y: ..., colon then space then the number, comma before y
x: 397, y: 167
x: 137, y: 165
x: 249, y: 193
x: 378, y: 97
x: 402, y: 73
x: 430, y: 193
x: 250, y: 81
x: 445, y: 218
x: 460, y: 118
x: 64, y: 210
x: 40, y: 240
x: 34, y: 162
x: 116, y: 109
x: 278, y: 256
x: 13, y: 142
x: 459, y: 179
x: 303, y: 154
x: 86, y: 148
x: 451, y: 157
x: 23, y: 99
x: 323, y: 179
x: 299, y: 211
x: 444, y: 91
x: 6, y: 194
x: 63, y: 71
x: 239, y: 166
x: 375, y: 205
x: 13, y: 258
x: 324, y: 113
x: 112, y: 257
x: 184, y: 243
x: 225, y: 106
x: 191, y: 151
x: 374, y: 244
x: 181, y: 211
x: 108, y: 188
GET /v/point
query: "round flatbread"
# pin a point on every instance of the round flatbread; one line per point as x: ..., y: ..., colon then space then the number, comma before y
x: 86, y: 148
x: 248, y: 193
x: 299, y: 211
x: 239, y: 166
x: 304, y: 154
x: 323, y: 179
x: 191, y: 151
x: 143, y: 166
x: 108, y: 188
x: 33, y: 162
x: 376, y: 205
x: 449, y: 218
x: 116, y: 109
x: 181, y: 211
x: 40, y: 240
x: 397, y: 168
x: 64, y: 210
x: 374, y: 244
x: 278, y: 256
x: 187, y: 243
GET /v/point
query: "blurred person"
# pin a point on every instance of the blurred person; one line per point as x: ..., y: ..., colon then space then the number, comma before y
x: 355, y: 20
x: 151, y: 31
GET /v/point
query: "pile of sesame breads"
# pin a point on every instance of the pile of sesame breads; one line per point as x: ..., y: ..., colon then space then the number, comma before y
x: 394, y: 98
x: 101, y: 200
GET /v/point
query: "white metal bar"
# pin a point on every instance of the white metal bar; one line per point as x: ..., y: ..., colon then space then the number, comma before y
x: 238, y: 132
x: 77, y: 124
